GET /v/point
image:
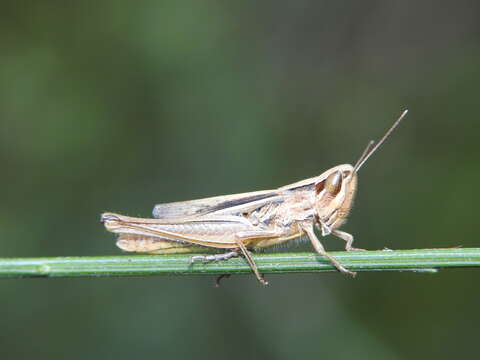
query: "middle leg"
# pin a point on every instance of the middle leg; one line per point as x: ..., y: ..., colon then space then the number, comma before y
x: 321, y: 250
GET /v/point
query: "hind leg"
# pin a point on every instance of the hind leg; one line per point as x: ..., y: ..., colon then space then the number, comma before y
x: 216, y: 257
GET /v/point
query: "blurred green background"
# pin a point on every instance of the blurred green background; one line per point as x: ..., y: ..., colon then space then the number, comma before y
x: 118, y: 105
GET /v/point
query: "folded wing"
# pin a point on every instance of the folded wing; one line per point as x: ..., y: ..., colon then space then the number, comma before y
x: 224, y: 205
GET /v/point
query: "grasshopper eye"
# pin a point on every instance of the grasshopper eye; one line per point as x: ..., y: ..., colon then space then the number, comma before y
x: 333, y: 183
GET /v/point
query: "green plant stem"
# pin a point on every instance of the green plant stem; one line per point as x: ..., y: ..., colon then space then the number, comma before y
x: 425, y: 260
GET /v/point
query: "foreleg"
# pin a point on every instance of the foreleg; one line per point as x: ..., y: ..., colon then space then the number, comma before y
x: 348, y: 239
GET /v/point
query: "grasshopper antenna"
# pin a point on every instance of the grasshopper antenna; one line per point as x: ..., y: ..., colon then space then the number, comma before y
x: 365, y: 153
x: 370, y: 149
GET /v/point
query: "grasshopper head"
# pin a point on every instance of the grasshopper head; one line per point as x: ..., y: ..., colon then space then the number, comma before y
x: 334, y: 196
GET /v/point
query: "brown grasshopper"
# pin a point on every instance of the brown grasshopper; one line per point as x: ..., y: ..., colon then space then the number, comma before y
x: 249, y: 221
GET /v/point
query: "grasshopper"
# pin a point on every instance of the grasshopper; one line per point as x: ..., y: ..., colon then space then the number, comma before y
x: 256, y: 220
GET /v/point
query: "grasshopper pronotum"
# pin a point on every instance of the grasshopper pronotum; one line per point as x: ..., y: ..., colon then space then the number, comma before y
x: 249, y: 221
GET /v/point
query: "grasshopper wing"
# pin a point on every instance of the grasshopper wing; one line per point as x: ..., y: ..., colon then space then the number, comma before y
x: 225, y: 205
